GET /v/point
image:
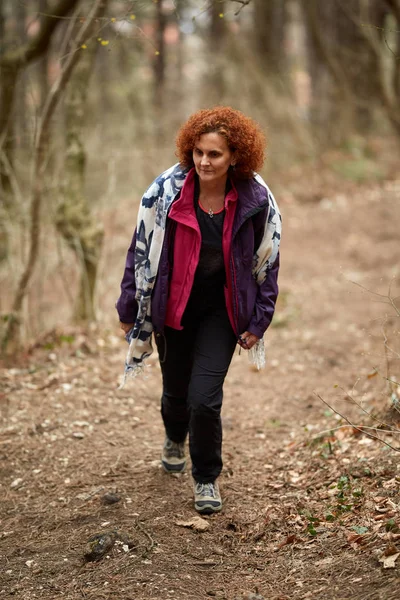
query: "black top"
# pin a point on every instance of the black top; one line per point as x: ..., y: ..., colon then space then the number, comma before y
x: 209, y: 279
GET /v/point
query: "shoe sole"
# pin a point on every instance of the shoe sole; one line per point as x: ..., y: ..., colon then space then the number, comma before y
x: 208, y: 509
x: 168, y: 468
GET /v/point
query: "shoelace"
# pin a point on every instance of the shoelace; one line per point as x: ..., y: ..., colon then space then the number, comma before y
x: 205, y: 489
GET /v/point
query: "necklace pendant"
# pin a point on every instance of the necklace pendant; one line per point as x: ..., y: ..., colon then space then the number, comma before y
x: 210, y: 213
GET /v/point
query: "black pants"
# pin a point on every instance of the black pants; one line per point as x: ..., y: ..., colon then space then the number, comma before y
x: 194, y: 363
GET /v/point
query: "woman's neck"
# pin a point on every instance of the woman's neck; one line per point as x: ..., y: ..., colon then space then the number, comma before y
x: 213, y: 188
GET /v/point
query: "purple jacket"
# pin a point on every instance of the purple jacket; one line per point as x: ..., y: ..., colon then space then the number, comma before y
x: 254, y: 304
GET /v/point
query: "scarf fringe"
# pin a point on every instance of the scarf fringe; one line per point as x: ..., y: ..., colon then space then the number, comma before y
x: 257, y: 355
x: 131, y: 371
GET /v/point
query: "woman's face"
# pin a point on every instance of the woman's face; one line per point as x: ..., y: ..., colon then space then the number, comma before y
x: 212, y: 157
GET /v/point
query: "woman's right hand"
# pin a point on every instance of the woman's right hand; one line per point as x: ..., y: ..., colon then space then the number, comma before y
x: 126, y: 326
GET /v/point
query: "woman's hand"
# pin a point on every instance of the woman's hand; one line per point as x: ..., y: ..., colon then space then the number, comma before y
x: 126, y: 326
x: 247, y: 340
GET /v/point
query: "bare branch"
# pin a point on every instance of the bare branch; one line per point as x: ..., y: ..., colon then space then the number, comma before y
x: 361, y: 429
x: 388, y: 297
x: 320, y: 434
x: 370, y: 415
x: 243, y: 3
x: 38, y: 45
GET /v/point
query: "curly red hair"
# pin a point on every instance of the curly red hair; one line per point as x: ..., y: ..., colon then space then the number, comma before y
x: 243, y: 135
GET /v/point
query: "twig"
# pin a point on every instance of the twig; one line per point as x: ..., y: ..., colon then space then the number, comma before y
x: 152, y: 542
x: 360, y: 429
x: 243, y: 3
x: 370, y: 291
x: 332, y: 429
x: 350, y: 397
x: 90, y: 495
x: 384, y: 30
x: 391, y: 301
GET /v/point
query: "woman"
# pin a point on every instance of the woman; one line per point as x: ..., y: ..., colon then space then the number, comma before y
x: 201, y: 273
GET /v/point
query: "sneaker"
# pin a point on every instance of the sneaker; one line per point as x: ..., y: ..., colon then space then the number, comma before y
x: 207, y: 498
x: 173, y: 457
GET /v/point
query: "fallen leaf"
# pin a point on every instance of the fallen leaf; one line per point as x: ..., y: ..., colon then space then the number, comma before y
x: 382, y: 509
x: 324, y: 561
x: 289, y: 540
x: 371, y: 375
x: 388, y: 562
x: 384, y: 516
x: 391, y: 484
x: 390, y: 550
x: 355, y: 538
x: 196, y: 523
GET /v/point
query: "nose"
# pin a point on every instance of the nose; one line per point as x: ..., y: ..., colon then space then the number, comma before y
x: 204, y: 160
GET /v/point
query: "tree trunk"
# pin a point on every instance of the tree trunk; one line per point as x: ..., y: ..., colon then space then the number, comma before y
x: 3, y: 228
x: 43, y: 79
x: 215, y: 85
x: 332, y: 98
x: 1, y: 24
x: 11, y: 63
x: 345, y: 56
x: 40, y: 155
x: 270, y: 19
x: 74, y: 219
x: 356, y: 19
x: 159, y: 58
x: 18, y: 130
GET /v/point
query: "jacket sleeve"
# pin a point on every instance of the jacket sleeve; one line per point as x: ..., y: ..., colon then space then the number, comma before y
x: 265, y: 302
x: 126, y: 304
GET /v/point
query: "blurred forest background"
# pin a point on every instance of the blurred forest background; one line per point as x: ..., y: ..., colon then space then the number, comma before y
x: 92, y: 93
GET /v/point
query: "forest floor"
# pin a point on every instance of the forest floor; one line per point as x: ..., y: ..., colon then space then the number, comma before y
x: 311, y: 504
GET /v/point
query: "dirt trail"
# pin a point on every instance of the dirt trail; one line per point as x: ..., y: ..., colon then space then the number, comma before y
x: 300, y: 518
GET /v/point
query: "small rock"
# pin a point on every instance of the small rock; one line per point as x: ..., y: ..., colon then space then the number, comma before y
x: 98, y: 545
x: 110, y: 498
x: 101, y: 543
x: 16, y: 483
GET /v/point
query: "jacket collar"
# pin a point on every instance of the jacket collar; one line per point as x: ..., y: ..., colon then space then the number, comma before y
x: 252, y: 198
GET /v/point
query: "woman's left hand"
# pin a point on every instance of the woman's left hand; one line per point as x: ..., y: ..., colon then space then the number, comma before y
x: 247, y: 340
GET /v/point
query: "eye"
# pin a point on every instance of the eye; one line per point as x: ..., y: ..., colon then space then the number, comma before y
x: 198, y: 151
